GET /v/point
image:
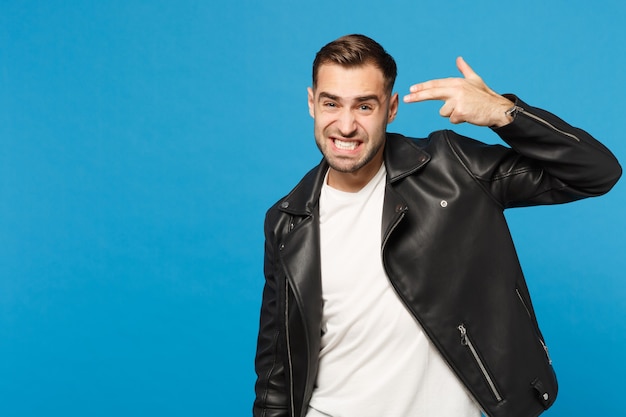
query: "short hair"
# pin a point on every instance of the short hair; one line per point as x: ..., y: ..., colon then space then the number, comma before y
x: 354, y: 51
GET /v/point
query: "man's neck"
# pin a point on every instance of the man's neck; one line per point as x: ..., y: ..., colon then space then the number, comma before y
x: 352, y: 182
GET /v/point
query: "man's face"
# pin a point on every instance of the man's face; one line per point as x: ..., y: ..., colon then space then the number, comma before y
x: 351, y: 109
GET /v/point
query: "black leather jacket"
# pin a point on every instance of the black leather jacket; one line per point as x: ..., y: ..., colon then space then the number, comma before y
x: 447, y: 252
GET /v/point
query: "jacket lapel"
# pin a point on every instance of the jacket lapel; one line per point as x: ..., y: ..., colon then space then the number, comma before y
x: 402, y: 158
x: 300, y: 248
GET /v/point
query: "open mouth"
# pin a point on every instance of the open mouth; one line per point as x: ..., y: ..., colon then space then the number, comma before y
x: 346, y: 145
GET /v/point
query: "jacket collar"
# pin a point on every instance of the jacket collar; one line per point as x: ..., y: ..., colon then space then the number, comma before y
x: 402, y: 158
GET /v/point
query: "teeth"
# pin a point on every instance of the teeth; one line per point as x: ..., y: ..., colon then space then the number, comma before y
x: 348, y: 146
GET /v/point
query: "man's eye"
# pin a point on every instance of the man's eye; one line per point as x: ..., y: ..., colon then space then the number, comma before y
x: 330, y: 104
x: 365, y: 107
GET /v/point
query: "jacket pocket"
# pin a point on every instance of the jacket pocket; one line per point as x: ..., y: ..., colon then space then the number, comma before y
x: 467, y: 342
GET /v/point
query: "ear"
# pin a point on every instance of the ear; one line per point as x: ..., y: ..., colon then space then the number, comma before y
x: 311, y: 102
x: 393, y: 108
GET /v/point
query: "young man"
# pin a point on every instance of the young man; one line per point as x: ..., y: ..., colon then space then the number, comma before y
x: 392, y: 284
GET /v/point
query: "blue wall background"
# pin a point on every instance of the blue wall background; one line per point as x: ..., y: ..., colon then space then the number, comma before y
x: 142, y: 141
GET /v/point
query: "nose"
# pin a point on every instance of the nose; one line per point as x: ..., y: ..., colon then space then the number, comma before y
x: 346, y: 123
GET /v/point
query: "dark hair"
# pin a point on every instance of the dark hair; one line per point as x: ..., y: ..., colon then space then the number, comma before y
x: 355, y: 51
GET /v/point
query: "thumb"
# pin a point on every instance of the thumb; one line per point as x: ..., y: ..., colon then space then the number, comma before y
x: 465, y: 69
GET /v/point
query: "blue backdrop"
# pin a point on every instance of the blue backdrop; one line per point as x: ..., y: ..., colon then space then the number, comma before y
x: 142, y: 141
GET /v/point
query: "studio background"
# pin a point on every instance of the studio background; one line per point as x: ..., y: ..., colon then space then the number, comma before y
x: 142, y: 141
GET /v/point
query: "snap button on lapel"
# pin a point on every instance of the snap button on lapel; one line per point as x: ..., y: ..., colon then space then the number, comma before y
x: 284, y: 204
x: 443, y: 203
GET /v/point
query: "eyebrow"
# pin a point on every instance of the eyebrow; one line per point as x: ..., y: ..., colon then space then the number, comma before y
x: 361, y: 99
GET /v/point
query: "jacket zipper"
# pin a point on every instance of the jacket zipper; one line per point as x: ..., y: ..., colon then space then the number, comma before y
x: 289, y: 361
x: 466, y: 341
x: 543, y: 344
x: 545, y: 122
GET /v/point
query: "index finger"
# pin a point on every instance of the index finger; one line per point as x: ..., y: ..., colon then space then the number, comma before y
x: 440, y: 89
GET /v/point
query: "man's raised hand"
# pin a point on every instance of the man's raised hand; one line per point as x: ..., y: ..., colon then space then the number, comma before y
x: 466, y: 99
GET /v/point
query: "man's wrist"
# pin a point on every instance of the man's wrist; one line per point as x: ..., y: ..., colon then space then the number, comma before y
x: 505, y: 113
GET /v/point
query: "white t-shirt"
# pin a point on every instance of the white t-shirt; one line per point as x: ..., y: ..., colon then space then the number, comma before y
x: 375, y: 360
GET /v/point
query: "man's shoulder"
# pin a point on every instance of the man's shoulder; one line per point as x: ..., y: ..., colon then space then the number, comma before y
x: 401, y: 146
x: 431, y: 140
x: 444, y: 140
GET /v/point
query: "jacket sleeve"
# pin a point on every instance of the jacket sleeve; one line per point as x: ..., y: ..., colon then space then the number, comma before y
x: 551, y: 162
x: 270, y: 388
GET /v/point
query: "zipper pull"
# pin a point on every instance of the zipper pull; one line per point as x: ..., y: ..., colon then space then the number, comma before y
x: 463, y: 331
x: 512, y: 112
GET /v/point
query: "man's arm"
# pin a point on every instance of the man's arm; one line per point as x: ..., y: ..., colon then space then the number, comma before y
x: 270, y: 388
x: 553, y: 161
x: 561, y: 162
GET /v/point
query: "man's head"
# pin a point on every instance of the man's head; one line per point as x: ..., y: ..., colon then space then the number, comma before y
x: 355, y: 51
x: 351, y: 102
